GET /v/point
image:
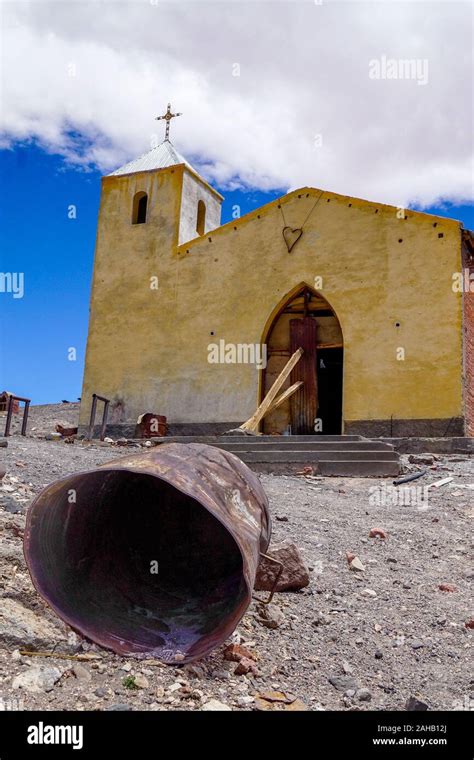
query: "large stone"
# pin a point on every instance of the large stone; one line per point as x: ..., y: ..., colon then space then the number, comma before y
x: 20, y: 627
x: 295, y: 574
x: 37, y: 679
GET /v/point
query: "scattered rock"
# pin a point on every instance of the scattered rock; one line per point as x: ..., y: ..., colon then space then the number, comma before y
x: 343, y: 683
x: 321, y: 619
x: 213, y: 705
x: 281, y: 518
x: 141, y: 682
x: 294, y: 576
x: 369, y: 592
x: 245, y: 701
x: 428, y: 459
x: 81, y: 673
x: 66, y: 432
x: 363, y: 695
x: 378, y: 654
x: 235, y: 652
x: 120, y: 707
x: 53, y: 437
x: 356, y: 565
x: 100, y: 692
x: 270, y: 616
x: 245, y: 666
x: 20, y: 627
x: 308, y: 470
x: 195, y: 670
x: 377, y: 533
x: 413, y: 704
x: 469, y: 623
x: 10, y: 504
x: 447, y: 587
x: 37, y: 678
x: 279, y: 701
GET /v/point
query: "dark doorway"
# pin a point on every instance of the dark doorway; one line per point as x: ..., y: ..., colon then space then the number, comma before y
x: 329, y: 372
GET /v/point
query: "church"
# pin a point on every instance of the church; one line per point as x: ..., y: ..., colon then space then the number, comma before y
x: 194, y: 320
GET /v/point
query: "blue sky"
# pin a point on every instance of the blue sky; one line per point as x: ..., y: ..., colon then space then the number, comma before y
x: 56, y: 255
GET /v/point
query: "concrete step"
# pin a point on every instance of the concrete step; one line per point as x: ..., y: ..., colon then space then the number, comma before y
x: 339, y: 455
x: 282, y: 443
x: 371, y: 468
x: 296, y: 446
x: 260, y: 438
x: 290, y: 455
x: 357, y: 468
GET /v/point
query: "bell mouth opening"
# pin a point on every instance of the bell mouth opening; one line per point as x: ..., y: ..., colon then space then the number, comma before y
x: 135, y: 565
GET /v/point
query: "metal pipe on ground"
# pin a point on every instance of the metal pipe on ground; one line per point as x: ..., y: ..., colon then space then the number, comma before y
x: 151, y: 555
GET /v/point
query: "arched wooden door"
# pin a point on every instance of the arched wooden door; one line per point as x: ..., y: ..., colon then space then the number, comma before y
x: 304, y: 318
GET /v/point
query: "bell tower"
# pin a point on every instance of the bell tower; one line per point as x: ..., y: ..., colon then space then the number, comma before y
x: 148, y: 208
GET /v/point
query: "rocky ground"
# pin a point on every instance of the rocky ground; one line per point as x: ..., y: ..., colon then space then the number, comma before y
x: 367, y: 639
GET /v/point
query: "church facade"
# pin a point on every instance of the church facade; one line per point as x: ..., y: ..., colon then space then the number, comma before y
x: 194, y: 320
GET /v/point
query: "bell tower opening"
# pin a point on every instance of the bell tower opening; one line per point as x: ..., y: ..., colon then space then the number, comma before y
x: 140, y: 203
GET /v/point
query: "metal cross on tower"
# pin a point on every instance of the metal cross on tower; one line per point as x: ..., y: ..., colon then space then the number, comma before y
x: 168, y: 116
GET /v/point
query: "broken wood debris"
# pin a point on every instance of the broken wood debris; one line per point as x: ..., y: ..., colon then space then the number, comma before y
x: 272, y: 397
x: 439, y: 483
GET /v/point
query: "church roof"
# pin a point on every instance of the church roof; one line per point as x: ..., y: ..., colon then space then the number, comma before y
x: 161, y: 157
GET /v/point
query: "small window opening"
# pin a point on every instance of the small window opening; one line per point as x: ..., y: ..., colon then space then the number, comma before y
x: 201, y: 218
x: 140, y: 203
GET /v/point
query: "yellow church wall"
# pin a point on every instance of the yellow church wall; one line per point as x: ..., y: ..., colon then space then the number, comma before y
x: 148, y: 349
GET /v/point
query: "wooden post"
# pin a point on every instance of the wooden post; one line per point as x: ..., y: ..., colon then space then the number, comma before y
x: 285, y: 395
x: 254, y: 421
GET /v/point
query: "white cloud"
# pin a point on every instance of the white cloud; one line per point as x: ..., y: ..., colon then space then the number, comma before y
x: 304, y: 72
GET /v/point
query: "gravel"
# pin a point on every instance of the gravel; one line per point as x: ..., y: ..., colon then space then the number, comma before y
x: 406, y: 644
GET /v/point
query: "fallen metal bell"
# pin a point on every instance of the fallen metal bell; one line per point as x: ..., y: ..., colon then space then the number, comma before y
x: 152, y: 554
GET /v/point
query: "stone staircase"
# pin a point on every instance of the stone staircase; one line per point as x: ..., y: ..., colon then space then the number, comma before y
x: 341, y: 455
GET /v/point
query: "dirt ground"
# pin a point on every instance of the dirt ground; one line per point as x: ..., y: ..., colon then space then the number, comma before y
x: 351, y: 640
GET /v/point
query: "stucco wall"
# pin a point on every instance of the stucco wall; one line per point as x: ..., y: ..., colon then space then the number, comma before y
x: 193, y: 192
x: 149, y: 349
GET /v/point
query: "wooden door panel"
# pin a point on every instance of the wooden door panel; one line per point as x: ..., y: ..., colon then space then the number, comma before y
x: 304, y: 403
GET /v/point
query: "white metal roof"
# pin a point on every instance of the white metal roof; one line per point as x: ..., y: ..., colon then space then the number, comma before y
x: 160, y: 157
